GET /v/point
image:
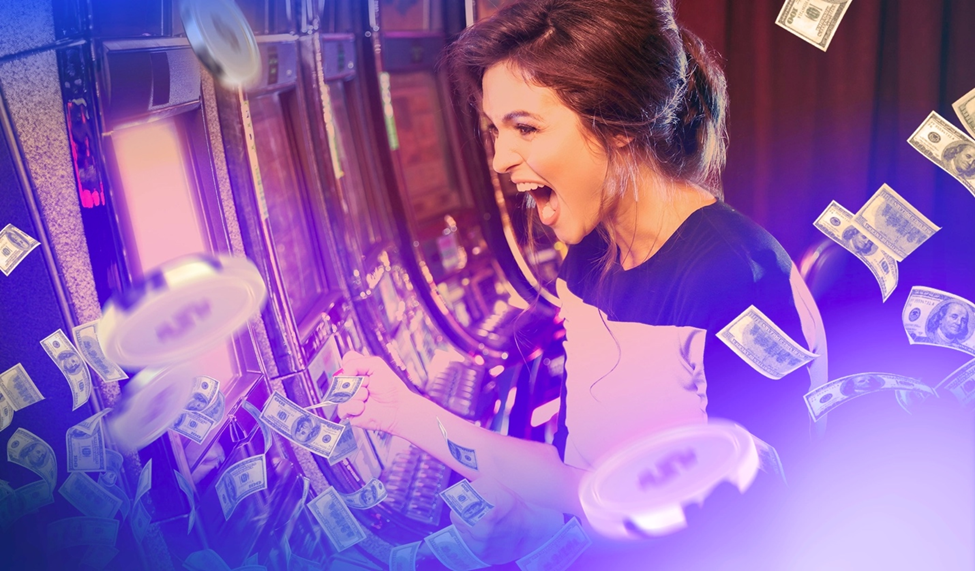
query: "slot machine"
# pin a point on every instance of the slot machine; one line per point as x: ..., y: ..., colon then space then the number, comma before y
x: 464, y: 224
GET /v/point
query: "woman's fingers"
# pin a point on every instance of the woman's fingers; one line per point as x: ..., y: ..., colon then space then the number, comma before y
x: 351, y: 408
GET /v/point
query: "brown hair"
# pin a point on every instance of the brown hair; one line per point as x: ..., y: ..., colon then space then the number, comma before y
x: 626, y: 68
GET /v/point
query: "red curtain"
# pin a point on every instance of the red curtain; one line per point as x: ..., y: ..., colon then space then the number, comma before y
x: 807, y: 127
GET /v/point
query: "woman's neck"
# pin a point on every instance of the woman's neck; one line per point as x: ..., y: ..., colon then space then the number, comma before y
x: 643, y: 226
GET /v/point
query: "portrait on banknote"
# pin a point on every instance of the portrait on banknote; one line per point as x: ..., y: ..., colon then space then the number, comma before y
x: 858, y: 241
x: 69, y: 361
x: 861, y: 384
x: 198, y: 402
x: 305, y: 430
x: 959, y: 159
x: 948, y: 324
x: 34, y: 454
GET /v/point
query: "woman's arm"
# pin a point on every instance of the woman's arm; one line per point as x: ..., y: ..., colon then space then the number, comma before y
x: 532, y: 470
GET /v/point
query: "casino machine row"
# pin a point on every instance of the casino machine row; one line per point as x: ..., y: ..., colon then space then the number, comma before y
x: 205, y: 206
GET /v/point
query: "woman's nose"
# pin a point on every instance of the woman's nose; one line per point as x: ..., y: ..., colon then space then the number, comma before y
x: 504, y: 157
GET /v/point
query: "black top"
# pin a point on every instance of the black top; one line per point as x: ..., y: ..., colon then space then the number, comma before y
x: 708, y: 272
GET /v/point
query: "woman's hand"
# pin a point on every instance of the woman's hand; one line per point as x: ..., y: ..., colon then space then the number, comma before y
x: 511, y: 530
x: 381, y: 397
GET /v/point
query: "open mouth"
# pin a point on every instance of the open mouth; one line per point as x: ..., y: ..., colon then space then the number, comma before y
x: 546, y: 200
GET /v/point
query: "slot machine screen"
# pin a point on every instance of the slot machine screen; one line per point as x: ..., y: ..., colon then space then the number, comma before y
x: 366, y: 208
x: 290, y: 210
x: 324, y: 364
x: 161, y: 212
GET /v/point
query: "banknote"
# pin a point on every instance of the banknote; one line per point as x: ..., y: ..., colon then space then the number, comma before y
x: 204, y: 391
x: 334, y: 516
x: 205, y: 560
x: 934, y: 317
x: 6, y: 411
x: 145, y: 481
x: 910, y: 399
x: 30, y: 451
x: 465, y: 456
x: 18, y: 387
x: 961, y: 384
x: 303, y: 428
x: 85, y: 443
x: 14, y: 247
x: 372, y: 494
x: 97, y: 557
x: 768, y: 458
x: 88, y: 497
x: 346, y: 446
x: 239, y: 481
x: 449, y: 547
x: 66, y: 357
x: 24, y: 500
x: 827, y: 397
x: 754, y: 338
x: 464, y: 500
x: 837, y: 223
x: 947, y: 147
x: 193, y: 425
x: 5, y: 489
x: 256, y: 413
x: 140, y: 520
x: 892, y: 224
x: 965, y: 109
x: 813, y: 20
x: 342, y: 388
x: 216, y: 409
x: 74, y: 531
x: 403, y: 557
x: 113, y: 469
x: 559, y: 552
x: 86, y: 339
x: 187, y: 489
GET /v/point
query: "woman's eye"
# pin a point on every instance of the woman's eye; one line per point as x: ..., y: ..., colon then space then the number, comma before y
x: 526, y: 129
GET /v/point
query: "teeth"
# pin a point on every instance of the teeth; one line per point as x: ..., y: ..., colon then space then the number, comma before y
x: 527, y: 186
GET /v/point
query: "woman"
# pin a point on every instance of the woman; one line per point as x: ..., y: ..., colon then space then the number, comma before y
x: 612, y: 119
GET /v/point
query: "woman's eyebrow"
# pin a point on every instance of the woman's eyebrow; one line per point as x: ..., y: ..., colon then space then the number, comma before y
x: 518, y: 114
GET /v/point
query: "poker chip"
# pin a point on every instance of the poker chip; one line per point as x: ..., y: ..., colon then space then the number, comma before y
x: 150, y: 403
x: 641, y: 489
x: 181, y: 310
x: 223, y: 40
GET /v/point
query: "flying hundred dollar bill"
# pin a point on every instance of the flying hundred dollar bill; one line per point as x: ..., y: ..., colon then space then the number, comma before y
x: 559, y: 552
x: 67, y: 358
x: 464, y: 501
x: 15, y: 244
x: 893, y: 224
x: 965, y: 109
x: 837, y: 223
x: 301, y: 427
x: 403, y: 557
x: 465, y: 456
x: 32, y: 452
x: 827, y: 397
x: 947, y: 147
x: 88, y: 497
x: 961, y: 384
x: 449, y: 547
x: 934, y: 317
x: 86, y: 338
x: 341, y: 527
x: 85, y: 444
x: 239, y: 481
x: 763, y: 345
x: 815, y: 21
x: 370, y: 495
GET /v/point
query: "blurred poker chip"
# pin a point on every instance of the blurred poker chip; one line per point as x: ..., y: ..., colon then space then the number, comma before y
x: 181, y: 310
x: 150, y: 402
x: 223, y: 40
x: 641, y: 489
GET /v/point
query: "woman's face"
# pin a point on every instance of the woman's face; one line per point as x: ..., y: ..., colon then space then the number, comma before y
x: 543, y: 146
